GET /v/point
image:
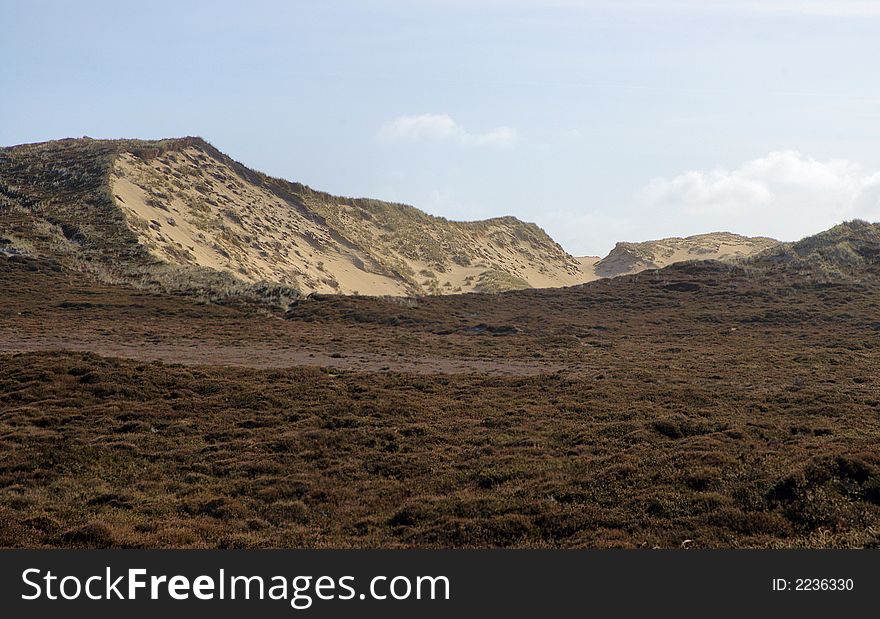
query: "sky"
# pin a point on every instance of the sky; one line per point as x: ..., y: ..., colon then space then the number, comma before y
x: 601, y: 121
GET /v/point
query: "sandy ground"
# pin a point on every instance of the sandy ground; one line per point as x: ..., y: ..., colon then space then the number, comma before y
x: 263, y: 356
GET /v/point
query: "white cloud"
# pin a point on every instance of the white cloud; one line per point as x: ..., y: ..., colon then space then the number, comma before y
x: 442, y: 128
x: 715, y: 190
x: 785, y: 194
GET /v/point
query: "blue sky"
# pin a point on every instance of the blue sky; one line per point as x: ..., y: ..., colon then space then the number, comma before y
x: 600, y: 121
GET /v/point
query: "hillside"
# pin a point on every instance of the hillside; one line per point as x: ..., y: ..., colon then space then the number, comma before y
x: 629, y: 258
x: 848, y: 250
x: 164, y: 212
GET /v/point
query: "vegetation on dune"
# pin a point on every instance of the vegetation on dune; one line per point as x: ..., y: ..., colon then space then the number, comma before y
x: 850, y: 249
x: 499, y: 281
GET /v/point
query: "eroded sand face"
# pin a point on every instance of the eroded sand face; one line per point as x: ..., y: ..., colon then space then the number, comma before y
x: 188, y: 208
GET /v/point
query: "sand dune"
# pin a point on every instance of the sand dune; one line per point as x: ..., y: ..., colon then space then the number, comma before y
x: 179, y: 216
x: 189, y: 206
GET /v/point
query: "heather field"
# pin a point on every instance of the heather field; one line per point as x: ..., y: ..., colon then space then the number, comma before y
x: 702, y: 405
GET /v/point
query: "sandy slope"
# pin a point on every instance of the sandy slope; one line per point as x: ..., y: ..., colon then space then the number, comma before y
x: 190, y: 207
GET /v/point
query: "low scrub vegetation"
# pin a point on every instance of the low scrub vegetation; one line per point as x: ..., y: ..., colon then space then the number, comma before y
x: 103, y: 452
